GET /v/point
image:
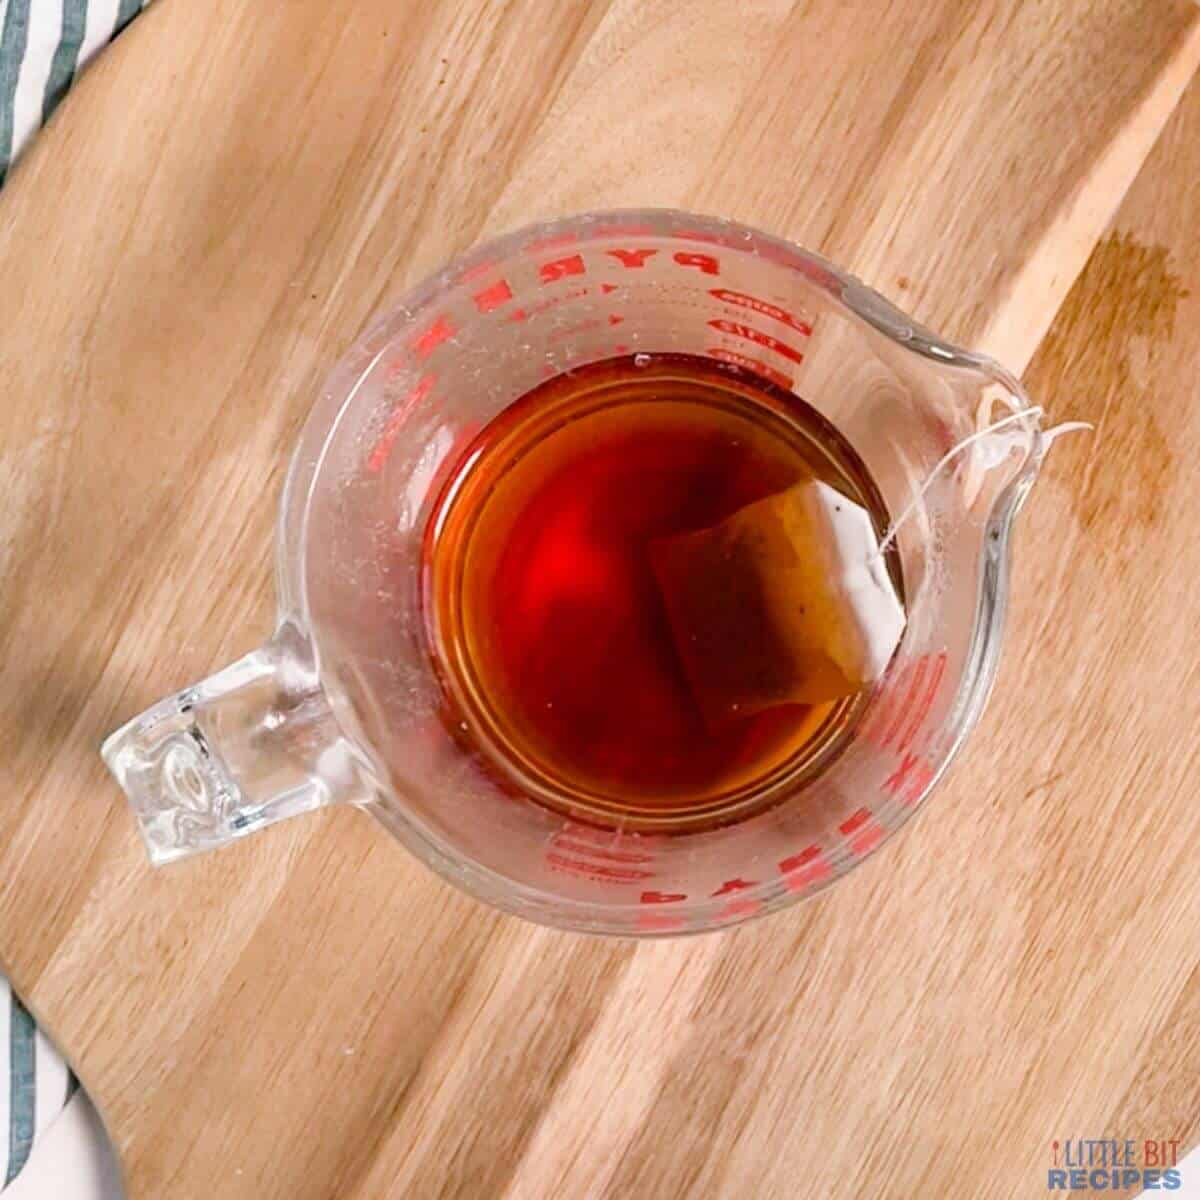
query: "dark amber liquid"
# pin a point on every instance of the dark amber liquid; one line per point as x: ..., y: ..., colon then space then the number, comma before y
x: 544, y: 615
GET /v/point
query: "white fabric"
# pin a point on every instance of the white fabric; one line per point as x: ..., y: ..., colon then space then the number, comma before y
x: 33, y: 1084
x: 73, y: 1160
x: 101, y: 20
x: 44, y: 30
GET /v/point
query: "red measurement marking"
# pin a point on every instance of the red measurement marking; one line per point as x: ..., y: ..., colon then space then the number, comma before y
x: 662, y: 897
x: 437, y: 333
x: 607, y: 288
x: 742, y: 908
x: 856, y: 821
x: 620, y: 348
x: 702, y: 262
x: 765, y: 307
x: 796, y: 861
x: 600, y: 872
x: 914, y: 673
x: 654, y: 922
x: 561, y: 268
x: 863, y: 831
x: 922, y: 710
x: 754, y: 365
x: 909, y: 779
x: 631, y: 258
x: 887, y: 715
x: 395, y: 422
x: 615, y: 319
x: 803, y: 870
x: 881, y: 710
x: 733, y: 885
x: 602, y: 852
x: 736, y: 329
x: 868, y: 839
x: 493, y: 297
x: 803, y: 877
x: 523, y: 314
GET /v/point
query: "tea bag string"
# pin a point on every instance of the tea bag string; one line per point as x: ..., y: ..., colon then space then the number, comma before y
x: 1034, y: 411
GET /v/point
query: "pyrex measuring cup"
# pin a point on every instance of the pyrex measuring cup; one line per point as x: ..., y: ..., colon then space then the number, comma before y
x: 341, y: 705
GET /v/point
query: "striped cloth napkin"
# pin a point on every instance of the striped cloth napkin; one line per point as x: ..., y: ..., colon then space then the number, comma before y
x: 39, y: 1084
x: 43, y: 46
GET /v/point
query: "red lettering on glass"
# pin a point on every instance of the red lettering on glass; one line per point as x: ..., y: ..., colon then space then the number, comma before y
x: 855, y: 822
x: 702, y: 262
x: 909, y: 779
x: 754, y: 365
x: 395, y: 422
x: 631, y: 258
x: 561, y: 268
x: 493, y: 297
x: 602, y: 852
x: 922, y: 710
x: 733, y: 885
x: 427, y: 342
x: 743, y: 300
x: 737, y: 329
x: 596, y: 871
x: 798, y: 860
x: 805, y: 869
x: 913, y: 674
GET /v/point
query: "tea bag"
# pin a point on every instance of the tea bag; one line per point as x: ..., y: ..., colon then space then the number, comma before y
x: 786, y: 601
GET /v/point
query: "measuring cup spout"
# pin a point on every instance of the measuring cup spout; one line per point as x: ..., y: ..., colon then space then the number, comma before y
x: 249, y: 746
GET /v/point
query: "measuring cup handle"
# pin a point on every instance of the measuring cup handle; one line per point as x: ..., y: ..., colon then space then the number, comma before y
x: 249, y: 746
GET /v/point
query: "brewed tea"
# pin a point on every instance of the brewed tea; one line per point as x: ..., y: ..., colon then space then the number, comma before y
x: 547, y: 618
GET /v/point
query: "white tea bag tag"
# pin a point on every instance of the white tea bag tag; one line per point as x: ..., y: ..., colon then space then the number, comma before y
x: 867, y: 597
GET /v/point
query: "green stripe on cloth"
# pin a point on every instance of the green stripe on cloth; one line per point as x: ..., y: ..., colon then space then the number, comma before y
x: 22, y: 1072
x: 66, y: 55
x: 127, y: 10
x: 13, y: 38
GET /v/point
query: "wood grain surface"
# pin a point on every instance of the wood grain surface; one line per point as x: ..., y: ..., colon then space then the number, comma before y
x: 202, y: 230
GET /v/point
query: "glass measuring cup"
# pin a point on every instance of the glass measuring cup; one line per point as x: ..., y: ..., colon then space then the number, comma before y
x: 341, y: 705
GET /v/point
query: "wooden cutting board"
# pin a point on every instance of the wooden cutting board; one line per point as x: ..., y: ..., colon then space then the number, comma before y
x: 204, y: 228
